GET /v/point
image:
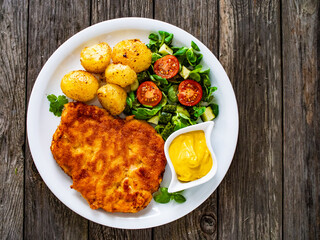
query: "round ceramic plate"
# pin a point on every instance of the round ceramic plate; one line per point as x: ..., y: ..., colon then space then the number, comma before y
x: 41, y: 124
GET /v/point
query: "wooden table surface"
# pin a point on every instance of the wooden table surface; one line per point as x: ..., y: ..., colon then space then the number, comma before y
x: 271, y: 52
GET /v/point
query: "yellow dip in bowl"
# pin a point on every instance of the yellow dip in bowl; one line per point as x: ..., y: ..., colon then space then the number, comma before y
x: 190, y: 156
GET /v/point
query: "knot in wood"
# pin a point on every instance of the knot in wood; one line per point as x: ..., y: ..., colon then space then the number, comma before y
x: 208, y: 224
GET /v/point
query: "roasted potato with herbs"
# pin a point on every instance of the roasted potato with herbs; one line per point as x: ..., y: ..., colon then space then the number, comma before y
x: 113, y: 98
x: 119, y: 74
x: 133, y: 53
x: 79, y: 85
x: 96, y: 58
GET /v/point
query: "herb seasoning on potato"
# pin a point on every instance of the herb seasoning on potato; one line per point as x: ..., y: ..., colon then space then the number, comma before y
x: 133, y: 53
x: 119, y: 74
x: 113, y: 98
x: 79, y: 85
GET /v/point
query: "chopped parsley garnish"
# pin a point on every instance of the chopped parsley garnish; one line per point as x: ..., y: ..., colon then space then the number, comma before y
x: 163, y: 196
x: 57, y: 104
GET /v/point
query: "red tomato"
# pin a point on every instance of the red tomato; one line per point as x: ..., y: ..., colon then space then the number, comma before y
x: 167, y: 66
x: 190, y: 92
x: 149, y: 94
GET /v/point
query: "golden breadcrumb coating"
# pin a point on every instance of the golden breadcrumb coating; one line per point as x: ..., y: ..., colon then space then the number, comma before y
x: 116, y: 164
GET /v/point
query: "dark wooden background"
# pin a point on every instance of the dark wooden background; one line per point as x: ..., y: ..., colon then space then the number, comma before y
x: 271, y: 52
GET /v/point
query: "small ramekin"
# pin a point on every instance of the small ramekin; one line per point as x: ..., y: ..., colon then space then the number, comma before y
x: 176, y: 185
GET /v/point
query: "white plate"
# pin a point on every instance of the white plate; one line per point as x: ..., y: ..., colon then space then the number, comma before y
x: 41, y: 124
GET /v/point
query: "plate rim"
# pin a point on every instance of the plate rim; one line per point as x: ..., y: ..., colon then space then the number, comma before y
x: 37, y: 85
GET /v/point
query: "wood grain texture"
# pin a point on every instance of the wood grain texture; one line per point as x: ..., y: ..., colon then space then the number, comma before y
x: 105, y: 10
x: 13, y: 47
x: 50, y: 24
x: 250, y: 197
x: 97, y: 231
x: 101, y: 11
x: 199, y: 18
x: 270, y: 50
x: 301, y: 89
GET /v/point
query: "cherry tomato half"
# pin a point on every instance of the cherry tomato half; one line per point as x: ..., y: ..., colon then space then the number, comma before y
x: 149, y: 94
x: 167, y: 66
x: 190, y: 92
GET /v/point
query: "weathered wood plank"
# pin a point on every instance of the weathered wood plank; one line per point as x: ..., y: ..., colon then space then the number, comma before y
x: 13, y: 45
x: 101, y: 11
x: 250, y: 197
x: 200, y: 18
x: 301, y: 90
x: 97, y: 231
x: 50, y: 24
x: 105, y: 10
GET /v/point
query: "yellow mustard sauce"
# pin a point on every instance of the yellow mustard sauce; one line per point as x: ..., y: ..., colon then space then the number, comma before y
x: 190, y: 156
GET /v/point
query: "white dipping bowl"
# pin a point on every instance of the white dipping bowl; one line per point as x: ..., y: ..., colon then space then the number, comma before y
x: 175, y: 184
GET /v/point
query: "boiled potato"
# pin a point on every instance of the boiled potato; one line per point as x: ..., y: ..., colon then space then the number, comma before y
x: 134, y: 53
x: 96, y: 58
x: 113, y: 98
x: 119, y: 74
x: 79, y: 85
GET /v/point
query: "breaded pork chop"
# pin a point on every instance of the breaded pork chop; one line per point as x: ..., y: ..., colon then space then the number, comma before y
x: 116, y: 164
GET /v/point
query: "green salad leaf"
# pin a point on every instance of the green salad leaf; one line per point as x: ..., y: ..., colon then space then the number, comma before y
x: 173, y: 93
x: 155, y: 57
x: 191, y: 57
x: 198, y: 111
x: 154, y: 36
x: 168, y: 39
x: 163, y: 36
x: 215, y: 109
x: 195, y: 46
x: 195, y: 76
x: 145, y: 113
x: 159, y: 79
x: 173, y: 115
x: 181, y: 51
